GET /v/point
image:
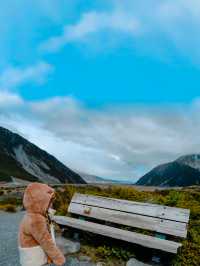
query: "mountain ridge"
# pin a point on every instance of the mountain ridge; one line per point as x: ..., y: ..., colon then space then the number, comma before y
x: 24, y: 160
x: 184, y: 171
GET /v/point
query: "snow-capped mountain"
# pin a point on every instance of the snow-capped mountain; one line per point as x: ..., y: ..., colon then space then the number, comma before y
x: 192, y: 160
x: 185, y: 171
x: 22, y: 160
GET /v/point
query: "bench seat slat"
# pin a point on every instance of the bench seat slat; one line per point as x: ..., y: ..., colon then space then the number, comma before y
x: 153, y: 210
x: 130, y: 219
x: 143, y: 240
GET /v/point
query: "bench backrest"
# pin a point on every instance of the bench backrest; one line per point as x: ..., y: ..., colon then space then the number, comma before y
x: 157, y: 218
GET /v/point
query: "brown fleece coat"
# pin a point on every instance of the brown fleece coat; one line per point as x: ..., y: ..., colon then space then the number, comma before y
x: 34, y: 229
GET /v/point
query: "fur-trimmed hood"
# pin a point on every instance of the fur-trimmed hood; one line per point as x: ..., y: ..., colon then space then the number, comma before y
x: 37, y: 198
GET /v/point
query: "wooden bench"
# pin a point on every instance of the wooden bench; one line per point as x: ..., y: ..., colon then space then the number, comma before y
x: 161, y: 220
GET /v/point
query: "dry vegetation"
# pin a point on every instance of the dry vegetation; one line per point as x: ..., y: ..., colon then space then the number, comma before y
x: 9, y: 203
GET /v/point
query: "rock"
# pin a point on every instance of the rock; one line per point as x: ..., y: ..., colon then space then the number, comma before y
x: 67, y: 246
x: 84, y: 258
x: 100, y: 263
x: 134, y: 262
x: 72, y: 261
x: 84, y: 263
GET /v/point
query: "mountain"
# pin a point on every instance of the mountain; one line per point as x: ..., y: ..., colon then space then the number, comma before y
x: 92, y: 178
x: 96, y: 179
x: 22, y: 160
x: 192, y: 160
x: 185, y: 171
x: 100, y: 180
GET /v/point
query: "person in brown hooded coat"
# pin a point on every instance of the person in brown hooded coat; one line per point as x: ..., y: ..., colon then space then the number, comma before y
x: 36, y: 244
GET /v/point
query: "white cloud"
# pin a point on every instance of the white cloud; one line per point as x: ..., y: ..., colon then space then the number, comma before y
x: 9, y: 99
x: 112, y: 142
x: 158, y: 28
x: 92, y: 23
x: 15, y: 76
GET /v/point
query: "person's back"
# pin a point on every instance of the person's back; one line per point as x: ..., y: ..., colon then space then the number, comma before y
x: 36, y: 245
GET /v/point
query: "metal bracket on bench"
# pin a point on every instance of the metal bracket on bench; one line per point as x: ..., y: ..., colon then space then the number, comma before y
x: 161, y: 236
x: 87, y: 210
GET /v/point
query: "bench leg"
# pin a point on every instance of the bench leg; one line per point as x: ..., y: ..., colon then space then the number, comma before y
x: 156, y: 257
x: 76, y: 235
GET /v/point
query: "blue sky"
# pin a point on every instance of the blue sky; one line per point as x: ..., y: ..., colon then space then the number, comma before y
x: 97, y: 59
x: 109, y: 63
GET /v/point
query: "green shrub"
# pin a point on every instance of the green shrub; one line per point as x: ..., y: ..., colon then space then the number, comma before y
x: 117, y: 252
x: 173, y: 198
x: 12, y: 201
x: 8, y: 208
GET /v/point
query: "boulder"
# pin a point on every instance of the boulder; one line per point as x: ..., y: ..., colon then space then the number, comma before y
x: 134, y: 262
x: 72, y: 261
x: 67, y: 246
x: 84, y: 258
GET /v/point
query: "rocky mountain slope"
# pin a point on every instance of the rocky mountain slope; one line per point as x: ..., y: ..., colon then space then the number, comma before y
x: 185, y: 171
x: 192, y: 160
x: 23, y: 160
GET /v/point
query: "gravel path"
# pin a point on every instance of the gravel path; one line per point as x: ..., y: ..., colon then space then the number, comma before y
x: 9, y: 223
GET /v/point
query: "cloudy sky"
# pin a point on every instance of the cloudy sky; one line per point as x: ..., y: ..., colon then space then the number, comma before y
x: 111, y: 88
